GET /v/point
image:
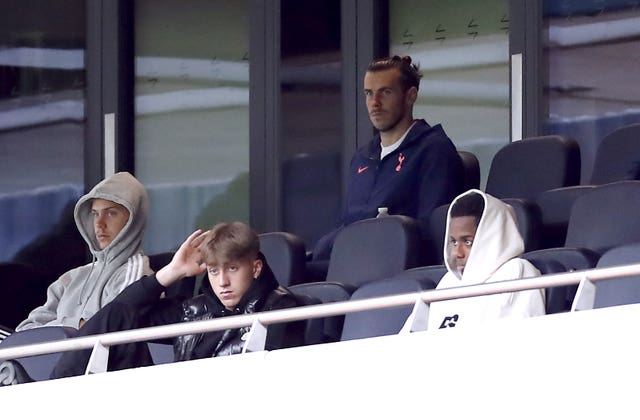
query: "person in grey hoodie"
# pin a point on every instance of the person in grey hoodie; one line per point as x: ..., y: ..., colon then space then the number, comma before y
x: 111, y: 218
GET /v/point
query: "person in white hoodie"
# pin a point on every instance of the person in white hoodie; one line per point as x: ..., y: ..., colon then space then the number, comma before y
x: 483, y: 245
x: 111, y: 218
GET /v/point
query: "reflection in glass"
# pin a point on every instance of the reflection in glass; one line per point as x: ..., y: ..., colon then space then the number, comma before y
x: 42, y: 90
x: 192, y: 115
x: 311, y: 135
x: 593, y: 86
x: 463, y: 51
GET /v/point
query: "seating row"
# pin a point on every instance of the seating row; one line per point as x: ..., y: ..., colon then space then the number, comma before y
x: 602, y: 218
x: 357, y: 325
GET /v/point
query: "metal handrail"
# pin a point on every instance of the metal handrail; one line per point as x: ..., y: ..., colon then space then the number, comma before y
x: 317, y: 311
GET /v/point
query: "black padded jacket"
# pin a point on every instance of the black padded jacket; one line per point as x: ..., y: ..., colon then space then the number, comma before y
x: 264, y: 294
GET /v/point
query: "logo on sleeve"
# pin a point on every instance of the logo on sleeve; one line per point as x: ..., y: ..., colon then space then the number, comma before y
x: 449, y: 321
x: 361, y: 169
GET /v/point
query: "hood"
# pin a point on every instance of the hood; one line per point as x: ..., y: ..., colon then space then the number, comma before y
x: 124, y: 189
x: 497, y: 241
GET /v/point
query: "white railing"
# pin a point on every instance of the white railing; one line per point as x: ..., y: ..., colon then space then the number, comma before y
x: 100, y: 343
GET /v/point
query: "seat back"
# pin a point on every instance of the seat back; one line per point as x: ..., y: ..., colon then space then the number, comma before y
x: 314, y: 327
x: 618, y: 156
x: 326, y: 292
x: 471, y: 170
x: 437, y: 231
x: 373, y: 249
x: 387, y: 321
x: 285, y: 253
x: 515, y: 170
x: 622, y: 290
x: 560, y: 260
x: 39, y: 368
x: 555, y: 210
x: 529, y: 221
x: 605, y: 217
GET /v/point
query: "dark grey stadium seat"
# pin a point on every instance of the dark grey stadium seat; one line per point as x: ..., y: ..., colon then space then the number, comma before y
x: 605, y: 217
x: 326, y: 292
x: 616, y: 159
x: 373, y: 249
x: 618, y: 156
x: 526, y: 168
x: 601, y: 219
x: 622, y: 290
x: 285, y: 254
x: 38, y: 367
x: 555, y: 209
x: 314, y: 327
x: 471, y: 170
x: 388, y: 321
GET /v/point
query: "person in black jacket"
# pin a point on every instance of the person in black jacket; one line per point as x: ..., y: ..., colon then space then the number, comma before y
x: 409, y: 167
x: 240, y: 282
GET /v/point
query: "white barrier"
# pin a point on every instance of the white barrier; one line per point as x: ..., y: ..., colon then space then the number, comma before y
x: 98, y: 342
x: 562, y: 366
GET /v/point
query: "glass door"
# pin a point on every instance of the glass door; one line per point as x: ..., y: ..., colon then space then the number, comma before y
x: 463, y: 51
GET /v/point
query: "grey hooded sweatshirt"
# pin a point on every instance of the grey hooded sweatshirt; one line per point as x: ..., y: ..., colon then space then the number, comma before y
x: 79, y: 293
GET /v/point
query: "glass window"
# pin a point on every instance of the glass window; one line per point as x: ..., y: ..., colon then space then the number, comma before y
x: 463, y: 51
x: 192, y: 115
x: 311, y: 135
x: 42, y: 122
x: 593, y: 86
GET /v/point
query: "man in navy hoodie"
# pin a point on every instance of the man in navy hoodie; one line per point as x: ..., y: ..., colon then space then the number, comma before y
x: 409, y: 167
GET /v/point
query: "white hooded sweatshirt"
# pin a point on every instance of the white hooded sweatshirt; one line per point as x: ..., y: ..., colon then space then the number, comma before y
x: 493, y: 257
x: 81, y: 292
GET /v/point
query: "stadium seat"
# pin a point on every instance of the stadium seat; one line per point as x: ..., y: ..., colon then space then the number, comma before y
x: 558, y: 299
x: 603, y: 218
x: 285, y: 254
x: 326, y: 292
x: 526, y: 168
x: 314, y: 327
x: 622, y: 290
x: 388, y: 321
x: 618, y: 156
x: 555, y: 210
x: 471, y: 170
x: 373, y: 249
x: 616, y: 159
x: 38, y: 367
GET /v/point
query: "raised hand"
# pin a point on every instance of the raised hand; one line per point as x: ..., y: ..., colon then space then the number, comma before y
x: 186, y: 262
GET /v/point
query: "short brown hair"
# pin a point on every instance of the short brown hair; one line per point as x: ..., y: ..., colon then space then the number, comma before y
x: 409, y: 73
x: 231, y: 241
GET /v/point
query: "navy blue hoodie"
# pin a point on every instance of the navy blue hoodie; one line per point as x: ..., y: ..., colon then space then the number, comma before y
x: 424, y: 172
x: 420, y: 175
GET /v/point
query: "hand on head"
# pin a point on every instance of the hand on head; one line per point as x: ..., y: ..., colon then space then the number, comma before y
x: 186, y: 262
